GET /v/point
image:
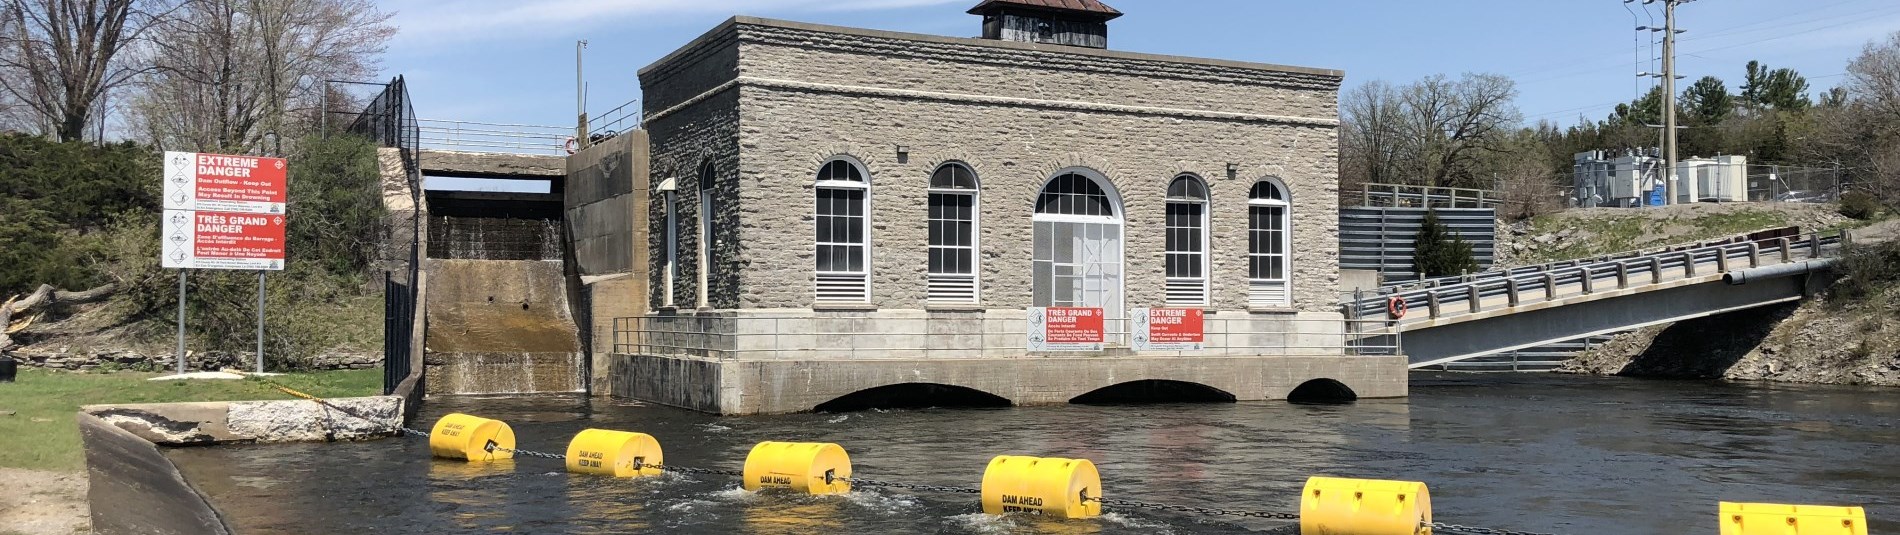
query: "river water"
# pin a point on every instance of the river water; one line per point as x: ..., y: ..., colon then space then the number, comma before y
x: 1548, y: 453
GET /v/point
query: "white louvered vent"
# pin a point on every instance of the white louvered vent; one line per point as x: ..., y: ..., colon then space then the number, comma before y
x: 952, y: 288
x: 1267, y: 294
x: 1187, y: 291
x: 843, y: 288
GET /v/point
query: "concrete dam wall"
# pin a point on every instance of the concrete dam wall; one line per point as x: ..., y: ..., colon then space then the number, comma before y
x: 501, y: 326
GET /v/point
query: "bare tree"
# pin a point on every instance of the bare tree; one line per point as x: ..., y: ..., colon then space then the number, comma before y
x: 1369, y: 128
x: 1435, y: 131
x: 227, y: 71
x: 58, y: 58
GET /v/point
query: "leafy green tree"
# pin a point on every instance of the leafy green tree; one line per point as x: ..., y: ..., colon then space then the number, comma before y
x: 1438, y: 252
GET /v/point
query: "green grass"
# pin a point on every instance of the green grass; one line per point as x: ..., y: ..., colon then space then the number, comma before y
x: 41, y: 433
x: 1618, y: 234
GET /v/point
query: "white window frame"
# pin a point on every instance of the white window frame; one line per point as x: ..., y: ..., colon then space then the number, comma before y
x: 1115, y: 323
x: 1266, y: 292
x: 956, y: 288
x: 670, y: 266
x: 843, y: 286
x: 1189, y: 291
x: 707, y: 174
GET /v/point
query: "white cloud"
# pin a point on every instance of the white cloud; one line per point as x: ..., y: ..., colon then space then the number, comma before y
x: 453, y: 20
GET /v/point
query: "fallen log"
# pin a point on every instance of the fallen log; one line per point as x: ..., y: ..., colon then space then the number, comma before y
x: 44, y: 297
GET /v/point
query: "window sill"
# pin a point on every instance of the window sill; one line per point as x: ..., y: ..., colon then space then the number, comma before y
x: 954, y: 307
x: 843, y: 306
x: 1272, y: 309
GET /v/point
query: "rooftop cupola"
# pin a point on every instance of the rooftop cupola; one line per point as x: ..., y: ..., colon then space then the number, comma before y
x: 1081, y: 23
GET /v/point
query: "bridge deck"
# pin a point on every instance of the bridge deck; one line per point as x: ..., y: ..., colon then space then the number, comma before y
x: 1619, y: 284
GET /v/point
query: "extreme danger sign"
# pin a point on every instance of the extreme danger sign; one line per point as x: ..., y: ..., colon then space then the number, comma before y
x: 1169, y: 329
x: 198, y: 239
x: 222, y: 182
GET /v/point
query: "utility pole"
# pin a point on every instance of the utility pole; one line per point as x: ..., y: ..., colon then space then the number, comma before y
x: 1669, y: 97
x: 580, y: 98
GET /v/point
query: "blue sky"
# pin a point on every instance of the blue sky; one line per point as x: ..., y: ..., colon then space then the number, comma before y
x: 512, y: 61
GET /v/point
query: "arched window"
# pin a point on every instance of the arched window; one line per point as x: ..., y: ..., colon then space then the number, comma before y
x: 707, y: 175
x: 1078, y: 245
x: 1187, y: 241
x: 843, y: 226
x: 953, y: 220
x: 1268, y: 249
x: 669, y: 261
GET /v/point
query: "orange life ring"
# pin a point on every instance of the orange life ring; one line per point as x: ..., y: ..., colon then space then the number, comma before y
x: 572, y: 144
x: 1395, y: 306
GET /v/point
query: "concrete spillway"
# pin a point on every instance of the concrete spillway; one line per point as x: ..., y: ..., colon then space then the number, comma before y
x: 500, y: 326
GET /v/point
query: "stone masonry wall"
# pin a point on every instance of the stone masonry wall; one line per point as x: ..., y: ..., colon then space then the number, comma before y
x: 690, y: 123
x: 1015, y: 148
x: 798, y: 95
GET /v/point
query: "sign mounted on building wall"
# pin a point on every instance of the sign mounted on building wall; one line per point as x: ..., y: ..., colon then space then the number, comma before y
x: 220, y: 182
x: 1169, y: 329
x: 196, y: 239
x: 1065, y: 329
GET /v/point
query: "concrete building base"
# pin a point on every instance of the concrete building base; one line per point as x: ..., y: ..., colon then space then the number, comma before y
x: 783, y: 386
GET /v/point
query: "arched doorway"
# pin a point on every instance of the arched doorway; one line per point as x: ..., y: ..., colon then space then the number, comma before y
x: 1078, y: 245
x: 912, y: 396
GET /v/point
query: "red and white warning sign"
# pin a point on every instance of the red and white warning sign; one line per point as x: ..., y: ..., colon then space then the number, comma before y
x: 223, y: 240
x: 1169, y: 329
x: 222, y: 182
x: 1065, y: 329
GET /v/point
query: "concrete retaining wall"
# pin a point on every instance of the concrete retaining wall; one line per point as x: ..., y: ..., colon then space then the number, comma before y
x: 133, y: 488
x: 766, y: 387
x: 500, y: 326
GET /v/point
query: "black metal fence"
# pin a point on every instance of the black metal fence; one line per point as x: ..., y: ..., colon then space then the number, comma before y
x: 390, y: 121
x: 399, y: 312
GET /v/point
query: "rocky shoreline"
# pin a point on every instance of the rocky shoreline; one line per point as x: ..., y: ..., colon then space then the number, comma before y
x: 1812, y: 342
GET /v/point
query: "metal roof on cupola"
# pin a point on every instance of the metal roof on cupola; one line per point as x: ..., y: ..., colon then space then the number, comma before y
x: 1094, y: 8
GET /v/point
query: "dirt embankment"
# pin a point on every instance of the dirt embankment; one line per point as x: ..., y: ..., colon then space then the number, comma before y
x: 1589, y: 232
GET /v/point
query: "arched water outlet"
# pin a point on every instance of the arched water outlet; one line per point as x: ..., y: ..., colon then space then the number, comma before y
x: 1154, y: 391
x: 912, y: 396
x: 1322, y: 391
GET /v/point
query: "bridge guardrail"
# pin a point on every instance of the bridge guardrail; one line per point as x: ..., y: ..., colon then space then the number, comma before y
x: 1760, y: 235
x: 1548, y: 283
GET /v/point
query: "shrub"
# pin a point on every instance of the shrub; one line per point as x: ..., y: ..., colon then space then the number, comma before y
x: 1867, y: 270
x: 1859, y: 205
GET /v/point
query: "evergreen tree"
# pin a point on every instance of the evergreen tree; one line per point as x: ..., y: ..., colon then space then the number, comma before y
x: 1438, y: 252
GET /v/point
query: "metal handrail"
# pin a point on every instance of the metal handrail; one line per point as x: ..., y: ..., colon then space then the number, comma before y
x: 496, y: 137
x: 1440, y: 196
x: 640, y: 335
x: 1619, y: 273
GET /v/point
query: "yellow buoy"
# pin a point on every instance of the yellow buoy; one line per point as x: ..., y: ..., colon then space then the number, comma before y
x: 465, y: 437
x: 811, y: 468
x: 1339, y: 506
x: 1063, y: 488
x: 1778, y: 519
x: 613, y: 453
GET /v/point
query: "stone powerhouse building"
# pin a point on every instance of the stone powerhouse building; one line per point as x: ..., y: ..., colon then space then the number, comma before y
x: 840, y: 215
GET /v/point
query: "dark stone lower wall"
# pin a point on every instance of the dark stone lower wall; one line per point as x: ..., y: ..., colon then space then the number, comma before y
x: 135, y: 489
x: 679, y: 382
